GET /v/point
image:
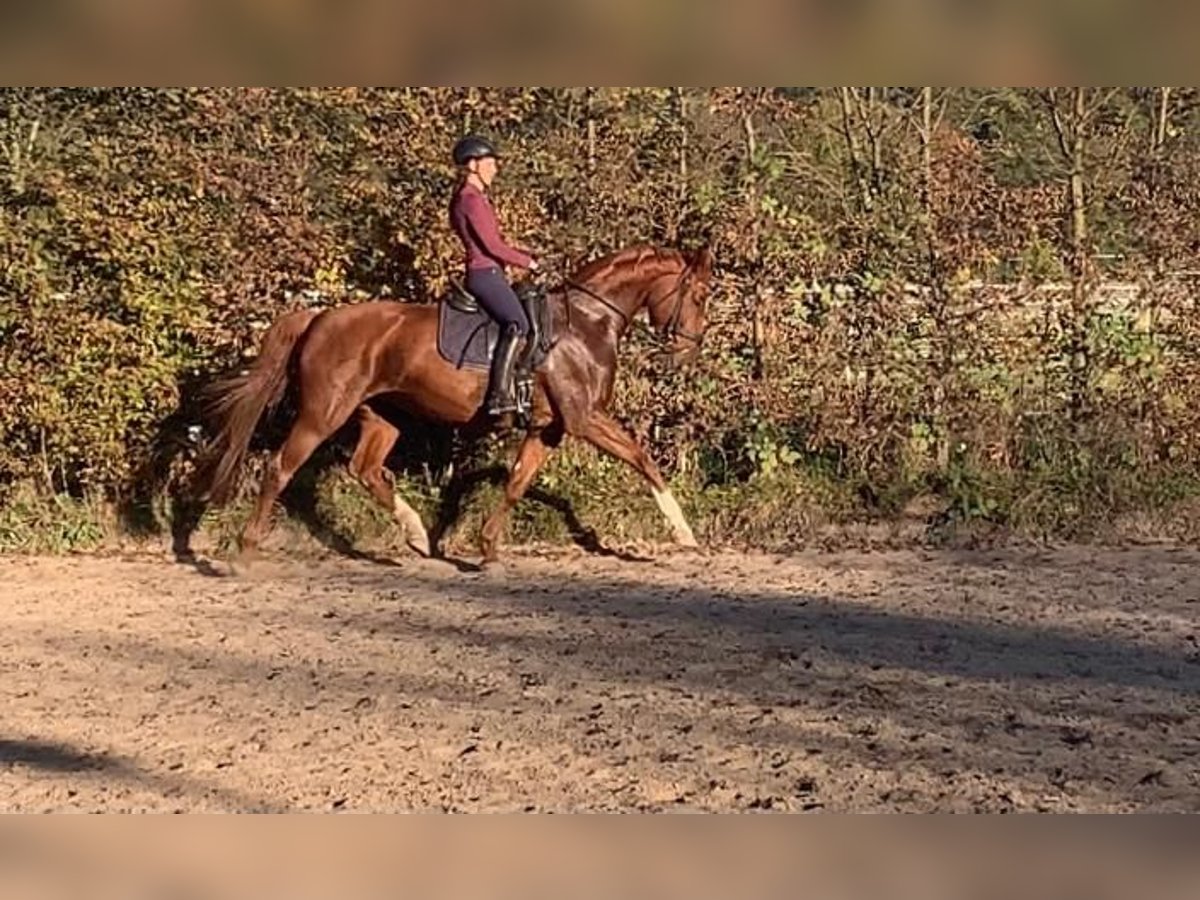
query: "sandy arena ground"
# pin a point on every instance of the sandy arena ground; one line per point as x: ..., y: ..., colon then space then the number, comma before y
x: 1057, y: 679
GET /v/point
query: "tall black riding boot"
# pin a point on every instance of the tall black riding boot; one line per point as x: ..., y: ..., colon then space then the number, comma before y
x: 500, y: 390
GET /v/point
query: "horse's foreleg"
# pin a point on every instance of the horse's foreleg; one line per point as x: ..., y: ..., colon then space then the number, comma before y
x: 376, y: 438
x: 610, y: 437
x: 532, y: 453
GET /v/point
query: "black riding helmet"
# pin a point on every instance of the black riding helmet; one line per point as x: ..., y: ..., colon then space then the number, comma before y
x: 473, y: 147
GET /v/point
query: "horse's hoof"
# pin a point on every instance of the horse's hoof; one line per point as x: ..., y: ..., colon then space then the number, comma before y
x: 242, y: 561
x: 687, y: 540
x: 489, y: 546
x: 420, y: 545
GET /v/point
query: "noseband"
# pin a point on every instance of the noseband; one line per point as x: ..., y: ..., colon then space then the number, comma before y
x: 673, y: 328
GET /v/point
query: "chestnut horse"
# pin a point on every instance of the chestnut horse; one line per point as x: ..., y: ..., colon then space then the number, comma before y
x: 351, y: 359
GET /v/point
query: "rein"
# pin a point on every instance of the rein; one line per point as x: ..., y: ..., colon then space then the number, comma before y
x: 671, y: 330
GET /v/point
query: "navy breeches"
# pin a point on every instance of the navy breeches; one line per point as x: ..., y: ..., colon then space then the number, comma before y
x: 497, y: 297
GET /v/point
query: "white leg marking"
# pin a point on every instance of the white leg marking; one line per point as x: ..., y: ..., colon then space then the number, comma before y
x: 414, y: 528
x: 670, y: 508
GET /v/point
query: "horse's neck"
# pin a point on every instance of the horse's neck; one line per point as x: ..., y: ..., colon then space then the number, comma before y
x: 627, y: 295
x: 617, y: 300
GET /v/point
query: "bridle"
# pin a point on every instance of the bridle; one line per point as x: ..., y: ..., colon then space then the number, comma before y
x: 672, y: 329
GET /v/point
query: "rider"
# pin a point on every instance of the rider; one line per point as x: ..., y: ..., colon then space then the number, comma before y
x: 487, y: 253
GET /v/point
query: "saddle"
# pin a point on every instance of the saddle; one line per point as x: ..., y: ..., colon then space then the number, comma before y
x: 467, y: 335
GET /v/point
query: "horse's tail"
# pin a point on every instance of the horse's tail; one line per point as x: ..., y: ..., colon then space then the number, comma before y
x: 237, y: 402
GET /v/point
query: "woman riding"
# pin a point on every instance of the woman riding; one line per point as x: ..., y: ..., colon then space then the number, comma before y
x: 487, y: 253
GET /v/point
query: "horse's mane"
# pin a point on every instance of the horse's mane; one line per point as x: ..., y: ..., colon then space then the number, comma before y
x: 634, y: 257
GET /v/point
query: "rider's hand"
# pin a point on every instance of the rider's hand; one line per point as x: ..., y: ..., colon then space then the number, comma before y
x: 533, y: 266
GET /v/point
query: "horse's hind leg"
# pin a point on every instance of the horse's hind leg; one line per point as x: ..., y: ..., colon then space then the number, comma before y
x: 610, y: 437
x: 376, y: 438
x: 307, y: 434
x: 302, y: 440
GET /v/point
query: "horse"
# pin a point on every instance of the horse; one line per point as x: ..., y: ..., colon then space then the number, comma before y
x: 359, y: 359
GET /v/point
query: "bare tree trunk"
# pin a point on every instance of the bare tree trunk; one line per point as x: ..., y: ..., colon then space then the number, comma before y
x: 1071, y: 125
x: 590, y: 100
x: 683, y: 137
x: 1079, y: 229
x: 849, y: 98
x: 874, y: 132
x: 472, y: 101
x: 681, y: 205
x: 1071, y: 129
x: 944, y: 334
x: 1078, y: 209
x: 757, y: 331
x: 748, y: 128
x: 1162, y: 119
x: 927, y: 142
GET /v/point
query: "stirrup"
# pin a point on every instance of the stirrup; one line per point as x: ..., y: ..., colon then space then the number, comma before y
x: 523, y: 395
x: 500, y: 405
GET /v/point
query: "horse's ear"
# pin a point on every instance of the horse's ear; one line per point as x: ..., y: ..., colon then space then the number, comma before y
x: 702, y: 261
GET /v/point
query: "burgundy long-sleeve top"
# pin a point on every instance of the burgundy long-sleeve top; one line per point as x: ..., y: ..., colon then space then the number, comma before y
x: 474, y: 221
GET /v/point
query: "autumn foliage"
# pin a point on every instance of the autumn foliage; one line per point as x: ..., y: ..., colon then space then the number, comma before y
x: 898, y: 312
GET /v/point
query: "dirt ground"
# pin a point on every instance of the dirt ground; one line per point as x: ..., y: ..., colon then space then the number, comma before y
x: 1055, y: 679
